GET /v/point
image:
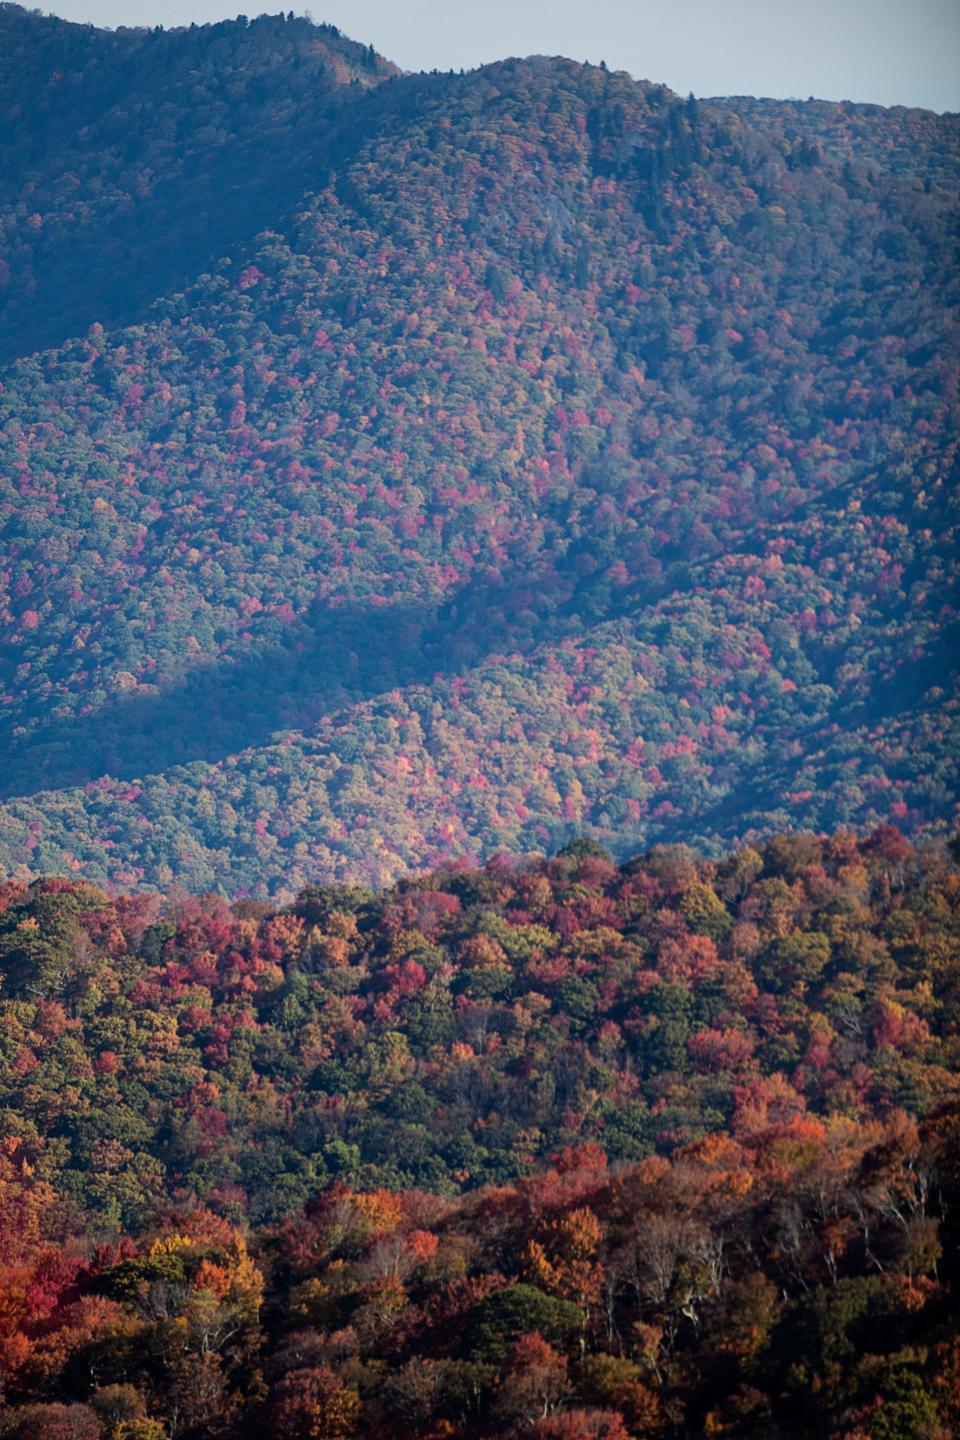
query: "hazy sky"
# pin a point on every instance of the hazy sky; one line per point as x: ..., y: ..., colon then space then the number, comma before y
x: 895, y: 52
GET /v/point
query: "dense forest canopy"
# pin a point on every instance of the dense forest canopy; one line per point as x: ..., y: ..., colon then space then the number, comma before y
x: 566, y: 1150
x: 502, y: 457
x: 403, y: 479
x: 134, y: 157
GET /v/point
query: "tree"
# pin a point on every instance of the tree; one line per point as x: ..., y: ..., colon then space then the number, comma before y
x: 533, y: 1382
x: 314, y: 1404
x: 518, y: 1310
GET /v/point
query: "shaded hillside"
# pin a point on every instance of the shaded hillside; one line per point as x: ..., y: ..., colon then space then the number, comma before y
x: 578, y: 459
x: 565, y: 1151
x: 134, y: 158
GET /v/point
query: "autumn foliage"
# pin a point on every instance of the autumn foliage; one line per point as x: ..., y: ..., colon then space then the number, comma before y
x: 405, y: 479
x: 505, y: 457
x: 558, y: 1150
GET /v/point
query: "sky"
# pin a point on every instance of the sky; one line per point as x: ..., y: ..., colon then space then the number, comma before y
x: 891, y: 52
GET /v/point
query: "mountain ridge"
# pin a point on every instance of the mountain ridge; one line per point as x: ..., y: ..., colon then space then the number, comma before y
x: 556, y: 376
x: 258, y: 96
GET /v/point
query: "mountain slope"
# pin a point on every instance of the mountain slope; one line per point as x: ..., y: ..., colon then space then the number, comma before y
x: 134, y: 157
x: 573, y: 457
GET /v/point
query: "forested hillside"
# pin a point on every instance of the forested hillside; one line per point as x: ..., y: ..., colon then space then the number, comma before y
x: 567, y: 1150
x: 560, y: 457
x: 404, y: 478
x: 134, y: 158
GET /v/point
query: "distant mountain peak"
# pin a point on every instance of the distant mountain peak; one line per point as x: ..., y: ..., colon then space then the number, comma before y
x: 168, y: 146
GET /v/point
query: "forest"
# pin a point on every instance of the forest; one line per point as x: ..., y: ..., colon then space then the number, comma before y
x: 505, y: 457
x: 479, y: 808
x: 562, y: 1150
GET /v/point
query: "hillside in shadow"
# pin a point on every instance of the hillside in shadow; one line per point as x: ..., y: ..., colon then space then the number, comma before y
x: 135, y: 159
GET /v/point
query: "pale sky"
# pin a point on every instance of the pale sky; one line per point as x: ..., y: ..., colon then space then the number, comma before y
x: 892, y: 52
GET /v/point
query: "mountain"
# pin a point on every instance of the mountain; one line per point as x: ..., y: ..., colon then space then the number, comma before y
x: 407, y: 473
x: 135, y: 158
x: 559, y: 457
x: 558, y: 1151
